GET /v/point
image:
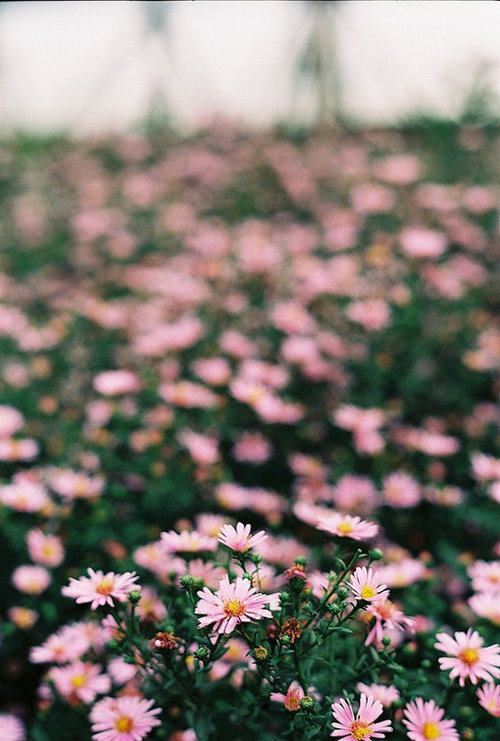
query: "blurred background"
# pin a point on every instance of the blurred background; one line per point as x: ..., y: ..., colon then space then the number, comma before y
x: 98, y: 66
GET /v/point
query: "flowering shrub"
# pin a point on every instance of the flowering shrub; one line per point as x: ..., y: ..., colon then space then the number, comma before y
x: 249, y: 469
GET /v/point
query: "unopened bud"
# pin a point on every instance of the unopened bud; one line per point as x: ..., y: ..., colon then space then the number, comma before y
x: 386, y: 641
x: 134, y: 597
x: 201, y: 653
x: 300, y: 561
x: 261, y: 653
x: 187, y: 581
x: 342, y: 592
x: 307, y: 703
x: 376, y: 554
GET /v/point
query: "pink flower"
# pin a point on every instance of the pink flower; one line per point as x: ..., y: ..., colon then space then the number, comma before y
x: 422, y: 243
x: 485, y: 576
x: 214, y: 371
x: 252, y: 447
x: 233, y: 604
x: 125, y: 718
x: 372, y: 314
x: 424, y: 720
x: 239, y: 539
x: 387, y: 617
x: 379, y: 692
x: 188, y: 541
x: 100, y: 589
x: 189, y: 395
x: 11, y: 728
x: 365, y: 585
x: 11, y: 421
x: 466, y: 657
x: 67, y: 644
x: 359, y: 727
x: 31, y: 579
x: 403, y: 572
x: 487, y: 605
x: 74, y: 485
x: 202, y: 448
x: 489, y: 698
x: 291, y: 700
x: 45, y: 549
x: 24, y: 495
x: 81, y: 680
x: 347, y: 526
x: 18, y: 450
x: 115, y: 382
x: 400, y: 490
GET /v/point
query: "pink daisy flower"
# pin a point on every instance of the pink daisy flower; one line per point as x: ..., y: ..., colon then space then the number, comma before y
x: 365, y: 585
x: 11, y: 728
x: 100, y: 589
x: 190, y: 541
x: 489, y: 698
x: 359, y: 727
x: 126, y: 718
x: 239, y: 539
x: 233, y: 604
x: 424, y: 721
x: 467, y: 658
x: 387, y: 617
x: 347, y: 526
x: 291, y: 700
x: 81, y: 680
x: 385, y: 694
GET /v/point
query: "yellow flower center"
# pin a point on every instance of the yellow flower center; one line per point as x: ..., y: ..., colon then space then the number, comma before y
x: 469, y: 656
x: 292, y: 703
x: 124, y: 724
x: 430, y: 730
x: 105, y: 587
x: 234, y: 608
x: 79, y: 680
x: 368, y: 592
x: 344, y: 528
x: 360, y: 730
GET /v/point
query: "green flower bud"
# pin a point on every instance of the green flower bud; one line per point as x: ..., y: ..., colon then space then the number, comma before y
x: 342, y: 592
x: 201, y: 653
x: 307, y: 703
x: 134, y: 597
x: 187, y: 581
x: 376, y: 554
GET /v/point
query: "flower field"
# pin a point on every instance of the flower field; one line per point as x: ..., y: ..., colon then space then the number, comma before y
x: 249, y: 436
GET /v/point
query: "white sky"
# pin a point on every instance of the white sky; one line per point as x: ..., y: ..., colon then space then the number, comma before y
x: 88, y: 66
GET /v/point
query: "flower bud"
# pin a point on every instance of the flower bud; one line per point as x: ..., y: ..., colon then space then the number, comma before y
x: 134, y: 597
x: 201, y: 653
x: 187, y: 582
x: 261, y: 653
x: 376, y: 554
x: 386, y: 641
x: 342, y: 592
x: 307, y: 703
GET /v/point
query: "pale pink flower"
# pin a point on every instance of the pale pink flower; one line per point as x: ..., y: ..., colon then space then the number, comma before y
x: 197, y: 568
x: 347, y: 526
x: 385, y: 694
x: 187, y: 541
x: 125, y: 718
x: 252, y: 447
x: 24, y: 495
x: 11, y: 728
x: 18, y: 450
x: 209, y: 523
x: 489, y: 698
x: 74, y: 485
x: 353, y: 418
x: 485, y: 467
x: 292, y: 318
x: 202, y: 448
x: 120, y: 671
x: 467, y: 658
x: 67, y: 644
x: 239, y: 539
x: 101, y: 589
x: 44, y: 549
x: 273, y: 376
x: 397, y: 169
x: 189, y: 395
x: 402, y: 573
x: 233, y: 604
x: 387, y: 617
x: 365, y: 585
x: 424, y: 720
x: 372, y: 314
x: 81, y: 680
x: 485, y: 576
x: 281, y: 551
x: 486, y: 605
x: 117, y: 382
x: 422, y: 243
x: 478, y: 200
x: 400, y: 490
x: 291, y: 700
x: 150, y: 606
x: 31, y: 579
x: 11, y: 421
x: 355, y: 494
x: 362, y: 726
x: 371, y: 198
x: 214, y: 371
x: 236, y: 344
